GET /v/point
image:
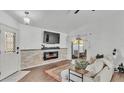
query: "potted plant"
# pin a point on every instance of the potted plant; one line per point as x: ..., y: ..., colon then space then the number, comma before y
x: 80, y: 64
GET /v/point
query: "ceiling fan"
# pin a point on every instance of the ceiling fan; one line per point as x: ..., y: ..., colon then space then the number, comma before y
x: 77, y: 11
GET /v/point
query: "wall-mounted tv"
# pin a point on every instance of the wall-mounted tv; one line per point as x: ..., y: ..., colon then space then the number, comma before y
x: 51, y: 38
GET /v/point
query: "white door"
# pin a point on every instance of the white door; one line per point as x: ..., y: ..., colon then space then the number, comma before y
x: 0, y: 50
x: 10, y: 57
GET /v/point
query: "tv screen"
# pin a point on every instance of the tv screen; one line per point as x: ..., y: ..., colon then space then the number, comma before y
x: 51, y: 38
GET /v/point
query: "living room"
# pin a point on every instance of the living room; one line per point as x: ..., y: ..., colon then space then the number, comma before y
x: 42, y: 47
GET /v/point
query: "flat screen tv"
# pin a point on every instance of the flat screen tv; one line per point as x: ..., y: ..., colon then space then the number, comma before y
x: 51, y: 38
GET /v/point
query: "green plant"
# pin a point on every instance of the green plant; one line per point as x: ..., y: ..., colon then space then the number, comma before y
x: 81, y: 64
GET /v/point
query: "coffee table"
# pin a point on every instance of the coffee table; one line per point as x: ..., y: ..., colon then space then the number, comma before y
x: 73, y: 69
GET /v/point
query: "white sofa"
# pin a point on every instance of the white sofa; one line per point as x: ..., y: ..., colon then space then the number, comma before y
x: 103, y: 74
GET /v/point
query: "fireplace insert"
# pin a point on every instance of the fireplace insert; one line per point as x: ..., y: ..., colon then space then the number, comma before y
x: 50, y: 55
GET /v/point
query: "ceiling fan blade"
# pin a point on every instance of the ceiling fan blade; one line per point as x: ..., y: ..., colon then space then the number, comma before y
x: 76, y: 11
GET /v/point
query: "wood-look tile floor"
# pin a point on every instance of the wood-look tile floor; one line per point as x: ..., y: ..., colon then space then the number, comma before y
x: 118, y: 77
x: 37, y: 74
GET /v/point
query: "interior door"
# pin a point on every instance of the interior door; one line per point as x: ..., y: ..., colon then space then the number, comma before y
x: 10, y: 57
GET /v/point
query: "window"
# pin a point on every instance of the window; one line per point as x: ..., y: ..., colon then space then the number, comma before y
x: 78, y: 44
x: 9, y: 42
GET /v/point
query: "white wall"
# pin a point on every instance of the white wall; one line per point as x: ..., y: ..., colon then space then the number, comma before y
x: 107, y: 34
x: 32, y: 38
x: 8, y: 20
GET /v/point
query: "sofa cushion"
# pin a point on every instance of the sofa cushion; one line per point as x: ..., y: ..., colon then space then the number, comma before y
x: 104, y: 75
x: 94, y: 68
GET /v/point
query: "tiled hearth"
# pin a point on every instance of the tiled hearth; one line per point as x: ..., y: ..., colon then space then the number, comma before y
x: 35, y: 57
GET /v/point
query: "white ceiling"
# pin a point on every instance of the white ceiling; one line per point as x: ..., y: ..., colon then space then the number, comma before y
x: 61, y: 20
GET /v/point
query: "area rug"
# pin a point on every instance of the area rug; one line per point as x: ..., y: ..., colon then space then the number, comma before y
x: 55, y: 72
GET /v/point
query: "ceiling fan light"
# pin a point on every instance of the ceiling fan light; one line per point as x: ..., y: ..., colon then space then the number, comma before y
x: 26, y: 20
